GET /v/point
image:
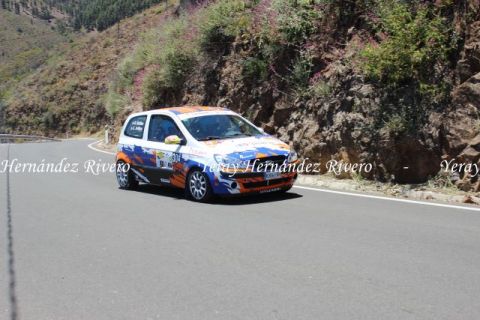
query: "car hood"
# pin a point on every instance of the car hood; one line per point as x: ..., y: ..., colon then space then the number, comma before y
x: 249, y: 148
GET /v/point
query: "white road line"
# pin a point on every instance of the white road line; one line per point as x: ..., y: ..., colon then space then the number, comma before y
x: 91, y: 146
x: 434, y: 204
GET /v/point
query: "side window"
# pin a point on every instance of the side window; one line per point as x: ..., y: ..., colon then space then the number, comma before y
x: 135, y: 127
x: 161, y: 127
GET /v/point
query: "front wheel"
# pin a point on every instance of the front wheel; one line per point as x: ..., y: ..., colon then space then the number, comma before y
x: 125, y: 177
x: 198, y: 186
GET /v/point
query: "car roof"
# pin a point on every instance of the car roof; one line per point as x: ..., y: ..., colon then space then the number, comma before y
x: 193, y: 109
x: 185, y: 111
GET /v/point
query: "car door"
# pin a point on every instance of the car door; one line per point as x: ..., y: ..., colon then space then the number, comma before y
x: 165, y: 155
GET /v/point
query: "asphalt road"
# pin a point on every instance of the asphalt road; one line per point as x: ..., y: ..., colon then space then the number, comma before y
x: 83, y: 249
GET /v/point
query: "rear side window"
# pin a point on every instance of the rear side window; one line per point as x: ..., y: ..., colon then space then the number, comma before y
x: 135, y: 127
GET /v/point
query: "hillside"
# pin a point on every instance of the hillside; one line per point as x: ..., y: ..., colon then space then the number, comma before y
x: 67, y: 93
x: 387, y: 82
x: 24, y: 45
x: 89, y: 14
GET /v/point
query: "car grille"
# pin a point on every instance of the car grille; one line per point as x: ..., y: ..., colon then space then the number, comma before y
x: 273, y: 162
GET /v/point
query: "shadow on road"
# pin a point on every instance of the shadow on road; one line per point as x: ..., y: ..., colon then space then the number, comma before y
x: 161, y: 191
x: 256, y: 198
x: 179, y: 194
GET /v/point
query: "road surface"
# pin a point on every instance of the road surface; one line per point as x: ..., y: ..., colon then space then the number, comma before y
x: 83, y: 249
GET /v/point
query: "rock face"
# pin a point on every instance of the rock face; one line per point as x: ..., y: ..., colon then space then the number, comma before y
x: 341, y: 125
x: 462, y: 122
x: 350, y: 120
x: 469, y: 63
x: 464, y: 138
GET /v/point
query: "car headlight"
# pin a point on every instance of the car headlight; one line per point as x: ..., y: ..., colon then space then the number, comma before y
x: 292, y: 156
x: 220, y: 159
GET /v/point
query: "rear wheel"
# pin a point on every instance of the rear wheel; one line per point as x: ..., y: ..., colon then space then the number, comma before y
x: 198, y: 186
x: 125, y: 177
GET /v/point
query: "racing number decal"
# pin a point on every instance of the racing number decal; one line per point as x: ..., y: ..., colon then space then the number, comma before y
x: 165, y: 160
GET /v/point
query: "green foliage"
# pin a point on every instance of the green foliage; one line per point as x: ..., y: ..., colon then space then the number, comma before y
x: 415, y: 42
x: 177, y: 64
x: 153, y: 88
x: 90, y: 14
x: 300, y: 73
x: 115, y: 102
x: 220, y: 22
x: 174, y: 55
x: 101, y: 14
x: 168, y: 79
x: 255, y: 68
x: 396, y: 125
x: 25, y: 51
x: 408, y: 62
x: 297, y: 19
x: 319, y: 89
x: 126, y: 72
x: 168, y: 55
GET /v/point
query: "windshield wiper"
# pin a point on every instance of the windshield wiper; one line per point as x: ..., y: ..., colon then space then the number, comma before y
x: 211, y: 138
x: 238, y: 134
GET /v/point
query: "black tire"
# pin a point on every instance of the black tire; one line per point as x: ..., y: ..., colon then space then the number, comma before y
x: 125, y: 178
x: 197, y: 186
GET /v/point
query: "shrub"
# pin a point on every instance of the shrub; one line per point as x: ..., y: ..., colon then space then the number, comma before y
x: 396, y: 125
x: 175, y: 54
x: 300, y: 72
x: 220, y: 22
x: 168, y: 79
x: 115, y: 102
x: 319, y: 89
x: 255, y: 68
x: 415, y: 41
x: 125, y: 73
x: 409, y: 62
x: 297, y: 19
x: 153, y: 88
x: 172, y: 54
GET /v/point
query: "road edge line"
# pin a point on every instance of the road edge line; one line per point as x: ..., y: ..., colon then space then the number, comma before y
x: 91, y: 146
x: 434, y: 204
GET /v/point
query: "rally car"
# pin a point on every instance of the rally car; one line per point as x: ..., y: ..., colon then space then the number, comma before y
x: 205, y: 151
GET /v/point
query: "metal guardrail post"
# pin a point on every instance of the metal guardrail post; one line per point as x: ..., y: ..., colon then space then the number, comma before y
x: 106, y: 138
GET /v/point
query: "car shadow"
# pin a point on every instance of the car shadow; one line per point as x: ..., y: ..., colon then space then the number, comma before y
x: 255, y: 198
x: 179, y: 194
x: 161, y: 191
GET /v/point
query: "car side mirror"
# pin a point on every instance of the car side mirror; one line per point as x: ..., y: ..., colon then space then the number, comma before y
x: 174, y: 139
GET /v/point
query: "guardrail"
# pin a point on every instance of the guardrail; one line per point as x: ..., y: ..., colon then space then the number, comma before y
x: 6, y: 138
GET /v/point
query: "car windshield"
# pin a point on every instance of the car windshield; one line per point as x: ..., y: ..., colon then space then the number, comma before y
x: 219, y: 126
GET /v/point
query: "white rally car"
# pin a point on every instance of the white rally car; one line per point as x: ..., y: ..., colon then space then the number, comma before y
x: 203, y: 150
